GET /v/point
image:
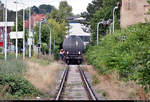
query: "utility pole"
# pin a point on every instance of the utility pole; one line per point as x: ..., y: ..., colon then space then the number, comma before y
x: 23, y: 32
x: 40, y: 37
x: 29, y: 30
x: 50, y: 39
x: 16, y: 30
x: 5, y: 30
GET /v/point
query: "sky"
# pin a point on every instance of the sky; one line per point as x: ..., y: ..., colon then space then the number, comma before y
x: 77, y: 5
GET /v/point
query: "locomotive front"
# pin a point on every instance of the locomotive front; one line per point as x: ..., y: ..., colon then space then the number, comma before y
x: 73, y: 47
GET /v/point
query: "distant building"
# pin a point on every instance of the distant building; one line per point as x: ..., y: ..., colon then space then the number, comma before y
x: 78, y: 29
x: 35, y: 18
x: 2, y: 32
x: 134, y: 11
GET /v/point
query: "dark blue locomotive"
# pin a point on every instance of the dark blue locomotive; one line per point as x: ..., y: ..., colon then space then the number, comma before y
x: 73, y: 46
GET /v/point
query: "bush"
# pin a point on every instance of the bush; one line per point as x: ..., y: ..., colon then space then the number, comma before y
x: 1, y: 49
x: 44, y: 48
x: 11, y: 74
x: 56, y: 52
x: 18, y: 85
x: 127, y: 51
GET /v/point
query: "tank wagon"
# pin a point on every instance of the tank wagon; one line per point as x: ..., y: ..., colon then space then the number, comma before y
x: 73, y: 46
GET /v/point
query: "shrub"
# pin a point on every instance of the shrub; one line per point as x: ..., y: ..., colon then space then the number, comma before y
x: 11, y: 74
x: 18, y: 85
x: 1, y: 49
x: 127, y: 51
x: 56, y: 52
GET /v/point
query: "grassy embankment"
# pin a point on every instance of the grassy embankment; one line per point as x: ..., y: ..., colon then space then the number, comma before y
x: 13, y: 85
x: 128, y: 59
x: 29, y: 78
x: 43, y: 73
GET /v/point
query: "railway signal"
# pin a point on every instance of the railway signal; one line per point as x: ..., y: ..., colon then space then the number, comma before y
x: 104, y: 23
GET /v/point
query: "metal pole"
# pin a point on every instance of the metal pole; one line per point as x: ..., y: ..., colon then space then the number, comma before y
x: 40, y: 37
x: 50, y: 38
x: 54, y: 43
x: 29, y: 30
x: 5, y: 30
x: 16, y: 31
x: 97, y: 31
x: 3, y: 13
x: 110, y: 28
x: 23, y: 33
x: 114, y: 18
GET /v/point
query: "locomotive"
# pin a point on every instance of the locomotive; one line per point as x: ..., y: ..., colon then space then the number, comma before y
x: 73, y: 47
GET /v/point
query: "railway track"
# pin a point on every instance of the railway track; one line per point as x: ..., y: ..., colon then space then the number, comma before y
x: 74, y: 85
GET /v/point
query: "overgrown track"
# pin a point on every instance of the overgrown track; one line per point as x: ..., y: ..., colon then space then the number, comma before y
x: 74, y: 85
x: 62, y: 84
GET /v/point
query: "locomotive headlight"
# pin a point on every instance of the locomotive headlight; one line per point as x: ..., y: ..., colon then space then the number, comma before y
x: 67, y: 52
x: 79, y: 52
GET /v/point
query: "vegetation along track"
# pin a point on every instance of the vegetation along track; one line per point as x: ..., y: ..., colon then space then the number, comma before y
x: 74, y: 85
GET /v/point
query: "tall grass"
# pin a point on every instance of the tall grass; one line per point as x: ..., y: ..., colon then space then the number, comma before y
x: 12, y: 65
x: 12, y: 75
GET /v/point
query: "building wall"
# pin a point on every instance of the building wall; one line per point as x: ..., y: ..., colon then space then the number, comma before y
x: 2, y: 36
x: 134, y: 11
x: 35, y: 18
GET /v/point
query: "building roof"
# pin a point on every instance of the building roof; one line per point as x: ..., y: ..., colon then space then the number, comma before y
x: 77, y: 29
x: 35, y: 18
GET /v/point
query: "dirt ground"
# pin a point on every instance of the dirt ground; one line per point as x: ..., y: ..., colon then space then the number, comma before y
x: 110, y: 88
x: 43, y: 77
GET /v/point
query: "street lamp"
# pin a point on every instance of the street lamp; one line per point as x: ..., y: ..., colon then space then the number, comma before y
x: 114, y: 17
x: 16, y: 29
x: 98, y: 27
x: 5, y: 30
x: 50, y: 36
x: 105, y: 24
x: 42, y: 20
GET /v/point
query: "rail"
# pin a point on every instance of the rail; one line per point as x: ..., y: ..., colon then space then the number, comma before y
x: 88, y: 87
x: 61, y: 86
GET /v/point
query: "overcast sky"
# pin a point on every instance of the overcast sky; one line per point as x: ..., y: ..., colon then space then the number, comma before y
x: 77, y: 5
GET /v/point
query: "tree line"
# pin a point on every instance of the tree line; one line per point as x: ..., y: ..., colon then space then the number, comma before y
x: 99, y: 10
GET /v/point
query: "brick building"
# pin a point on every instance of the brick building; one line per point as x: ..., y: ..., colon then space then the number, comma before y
x: 134, y: 11
x: 35, y: 18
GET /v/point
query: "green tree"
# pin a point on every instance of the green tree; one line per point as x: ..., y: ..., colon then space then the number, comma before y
x: 20, y: 28
x: 91, y: 9
x: 58, y: 32
x: 44, y: 9
x: 62, y: 13
x: 106, y: 12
